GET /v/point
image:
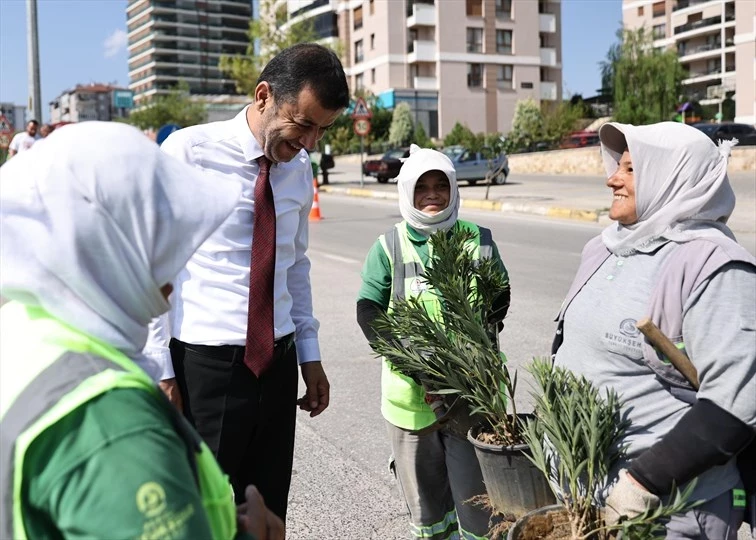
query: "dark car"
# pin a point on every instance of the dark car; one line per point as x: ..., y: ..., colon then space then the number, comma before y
x: 387, y: 167
x: 745, y: 134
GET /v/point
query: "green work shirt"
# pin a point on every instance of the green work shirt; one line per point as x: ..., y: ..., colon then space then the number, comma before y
x: 113, y: 468
x: 376, y: 272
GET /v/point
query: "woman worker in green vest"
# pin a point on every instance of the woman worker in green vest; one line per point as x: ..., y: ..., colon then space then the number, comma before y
x: 437, y: 471
x: 95, y: 223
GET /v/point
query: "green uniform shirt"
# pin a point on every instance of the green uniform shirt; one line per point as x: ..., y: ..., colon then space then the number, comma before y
x: 376, y: 272
x: 70, y: 475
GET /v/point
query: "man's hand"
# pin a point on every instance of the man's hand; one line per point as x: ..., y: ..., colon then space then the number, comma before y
x: 171, y: 389
x: 628, y: 499
x: 254, y: 518
x: 318, y: 391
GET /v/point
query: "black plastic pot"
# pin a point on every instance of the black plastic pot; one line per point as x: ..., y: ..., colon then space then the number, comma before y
x: 514, y: 485
x: 515, y: 532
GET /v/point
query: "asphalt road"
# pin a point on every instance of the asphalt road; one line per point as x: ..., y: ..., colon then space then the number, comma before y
x: 341, y: 486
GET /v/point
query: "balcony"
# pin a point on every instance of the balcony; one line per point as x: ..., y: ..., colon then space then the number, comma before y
x: 682, y: 4
x: 422, y: 51
x: 548, y: 57
x: 548, y: 91
x: 547, y: 23
x: 422, y: 15
x: 698, y: 25
x: 702, y: 52
x: 425, y: 83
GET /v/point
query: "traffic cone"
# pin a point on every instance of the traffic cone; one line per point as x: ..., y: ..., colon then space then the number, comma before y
x: 315, y: 211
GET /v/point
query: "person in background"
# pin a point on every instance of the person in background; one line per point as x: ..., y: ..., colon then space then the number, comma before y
x: 94, y: 226
x: 669, y: 256
x: 45, y: 130
x: 438, y: 471
x: 24, y: 140
x: 236, y: 332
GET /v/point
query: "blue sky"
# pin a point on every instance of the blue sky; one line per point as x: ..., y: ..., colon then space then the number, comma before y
x: 83, y: 41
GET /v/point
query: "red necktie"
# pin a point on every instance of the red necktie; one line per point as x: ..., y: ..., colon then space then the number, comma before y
x: 258, y: 354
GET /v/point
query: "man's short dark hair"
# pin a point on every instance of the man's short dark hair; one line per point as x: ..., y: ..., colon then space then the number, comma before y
x: 307, y: 64
x: 32, y: 122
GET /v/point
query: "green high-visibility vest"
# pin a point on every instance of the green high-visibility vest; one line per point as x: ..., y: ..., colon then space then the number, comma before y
x: 72, y: 370
x: 403, y: 400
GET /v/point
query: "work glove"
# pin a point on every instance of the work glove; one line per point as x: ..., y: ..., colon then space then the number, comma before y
x: 628, y: 499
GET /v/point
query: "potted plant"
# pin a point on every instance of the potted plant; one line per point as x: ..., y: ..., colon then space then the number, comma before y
x: 575, y: 444
x: 455, y: 354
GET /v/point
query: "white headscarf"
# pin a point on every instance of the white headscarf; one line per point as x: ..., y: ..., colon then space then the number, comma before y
x: 419, y: 162
x: 681, y: 187
x: 95, y: 221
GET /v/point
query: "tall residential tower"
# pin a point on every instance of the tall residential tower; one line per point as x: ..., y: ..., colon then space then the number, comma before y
x: 451, y: 60
x: 174, y: 40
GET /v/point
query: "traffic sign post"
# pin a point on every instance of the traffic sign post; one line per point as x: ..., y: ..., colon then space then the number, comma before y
x: 361, y: 116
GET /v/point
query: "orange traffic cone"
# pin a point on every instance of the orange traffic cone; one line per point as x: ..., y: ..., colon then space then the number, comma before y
x: 315, y: 211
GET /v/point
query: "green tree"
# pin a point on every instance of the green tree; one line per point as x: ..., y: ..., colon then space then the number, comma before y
x: 561, y: 121
x: 647, y: 81
x: 174, y: 108
x: 245, y: 69
x: 459, y: 134
x: 607, y: 67
x: 420, y: 137
x: 527, y: 126
x: 402, y: 125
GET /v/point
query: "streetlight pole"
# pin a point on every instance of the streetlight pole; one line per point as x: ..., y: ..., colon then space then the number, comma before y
x: 35, y: 93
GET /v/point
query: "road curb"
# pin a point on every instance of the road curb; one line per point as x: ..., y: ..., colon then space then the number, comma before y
x: 481, y: 204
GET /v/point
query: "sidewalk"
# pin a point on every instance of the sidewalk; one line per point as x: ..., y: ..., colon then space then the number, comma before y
x: 584, y: 198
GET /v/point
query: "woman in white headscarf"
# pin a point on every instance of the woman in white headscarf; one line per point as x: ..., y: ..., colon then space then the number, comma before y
x: 437, y: 470
x: 95, y: 223
x: 669, y: 256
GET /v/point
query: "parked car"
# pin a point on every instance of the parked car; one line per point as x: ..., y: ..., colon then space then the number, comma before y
x: 474, y: 166
x: 581, y: 139
x: 745, y: 134
x: 387, y: 167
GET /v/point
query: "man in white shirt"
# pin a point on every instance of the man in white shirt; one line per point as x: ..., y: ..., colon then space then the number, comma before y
x: 24, y: 140
x: 238, y: 329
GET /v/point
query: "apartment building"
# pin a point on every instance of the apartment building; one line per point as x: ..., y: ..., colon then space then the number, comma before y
x: 466, y: 61
x: 715, y: 41
x: 103, y: 102
x: 182, y: 40
x: 15, y: 114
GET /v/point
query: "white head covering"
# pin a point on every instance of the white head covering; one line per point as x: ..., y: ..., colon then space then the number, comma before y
x: 681, y: 187
x: 419, y: 162
x: 95, y: 221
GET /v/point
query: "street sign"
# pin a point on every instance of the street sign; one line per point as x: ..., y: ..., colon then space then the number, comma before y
x: 361, y: 110
x: 361, y: 126
x: 123, y: 99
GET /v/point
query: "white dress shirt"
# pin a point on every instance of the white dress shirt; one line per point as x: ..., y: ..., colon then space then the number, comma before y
x: 211, y: 294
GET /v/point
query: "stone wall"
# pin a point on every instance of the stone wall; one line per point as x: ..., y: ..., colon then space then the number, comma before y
x: 587, y: 162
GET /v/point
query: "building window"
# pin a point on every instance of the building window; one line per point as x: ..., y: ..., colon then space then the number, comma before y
x: 474, y: 40
x: 359, y: 81
x: 372, y: 76
x: 504, y: 77
x: 357, y: 15
x: 504, y: 8
x: 640, y: 11
x: 504, y: 41
x: 372, y: 41
x: 658, y: 9
x: 359, y: 54
x: 372, y: 7
x: 474, y: 8
x: 660, y: 31
x: 474, y: 75
x: 526, y: 85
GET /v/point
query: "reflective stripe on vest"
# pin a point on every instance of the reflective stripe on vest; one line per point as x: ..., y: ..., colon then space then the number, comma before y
x: 402, y: 400
x: 69, y: 382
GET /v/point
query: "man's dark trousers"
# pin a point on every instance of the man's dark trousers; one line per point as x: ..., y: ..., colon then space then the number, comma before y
x: 247, y: 422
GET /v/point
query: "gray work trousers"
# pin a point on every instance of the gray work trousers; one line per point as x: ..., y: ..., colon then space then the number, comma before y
x: 716, y: 519
x: 438, y: 473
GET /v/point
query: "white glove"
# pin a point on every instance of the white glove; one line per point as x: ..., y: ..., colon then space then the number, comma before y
x: 628, y: 499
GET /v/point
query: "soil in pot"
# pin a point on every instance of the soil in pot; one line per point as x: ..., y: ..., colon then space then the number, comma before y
x: 553, y: 525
